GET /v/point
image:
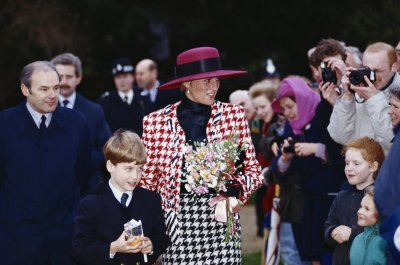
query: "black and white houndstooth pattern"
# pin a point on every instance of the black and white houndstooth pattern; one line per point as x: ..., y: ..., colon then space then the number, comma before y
x: 202, y: 238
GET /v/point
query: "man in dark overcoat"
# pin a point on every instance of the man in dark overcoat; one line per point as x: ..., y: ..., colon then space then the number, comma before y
x: 44, y: 164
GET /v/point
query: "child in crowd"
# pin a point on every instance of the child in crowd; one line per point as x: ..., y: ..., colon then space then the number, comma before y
x: 368, y: 247
x: 363, y: 158
x: 99, y: 236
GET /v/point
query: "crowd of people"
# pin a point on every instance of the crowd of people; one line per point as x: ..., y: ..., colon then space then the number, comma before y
x: 328, y: 151
x: 74, y: 174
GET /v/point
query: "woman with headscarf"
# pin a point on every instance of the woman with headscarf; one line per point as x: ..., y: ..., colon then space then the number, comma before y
x: 305, y: 154
x: 197, y: 237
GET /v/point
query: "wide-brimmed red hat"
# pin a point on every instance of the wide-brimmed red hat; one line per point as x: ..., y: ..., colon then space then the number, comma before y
x: 198, y: 63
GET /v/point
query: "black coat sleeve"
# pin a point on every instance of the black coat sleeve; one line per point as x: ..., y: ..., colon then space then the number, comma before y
x: 84, y: 160
x: 333, y: 221
x: 84, y: 247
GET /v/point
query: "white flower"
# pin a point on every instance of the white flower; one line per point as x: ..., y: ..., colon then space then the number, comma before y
x: 214, y: 182
x: 188, y: 188
x: 190, y: 179
x: 183, y: 148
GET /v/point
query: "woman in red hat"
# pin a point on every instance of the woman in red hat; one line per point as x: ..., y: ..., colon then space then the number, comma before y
x: 197, y: 237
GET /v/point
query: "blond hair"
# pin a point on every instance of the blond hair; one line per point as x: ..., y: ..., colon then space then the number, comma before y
x: 265, y: 88
x: 124, y: 147
x: 382, y: 46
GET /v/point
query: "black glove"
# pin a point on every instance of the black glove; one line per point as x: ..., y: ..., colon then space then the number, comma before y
x: 233, y: 189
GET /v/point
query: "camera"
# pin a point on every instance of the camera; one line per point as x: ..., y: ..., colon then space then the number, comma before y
x: 356, y: 77
x: 290, y: 147
x: 328, y: 75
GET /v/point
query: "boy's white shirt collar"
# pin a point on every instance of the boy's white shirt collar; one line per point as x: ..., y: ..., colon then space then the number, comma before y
x: 37, y: 117
x: 71, y: 100
x: 118, y: 194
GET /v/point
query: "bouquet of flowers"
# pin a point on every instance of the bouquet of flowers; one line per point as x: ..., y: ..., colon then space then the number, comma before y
x: 212, y: 166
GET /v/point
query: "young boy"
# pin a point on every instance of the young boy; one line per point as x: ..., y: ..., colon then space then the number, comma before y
x: 99, y: 236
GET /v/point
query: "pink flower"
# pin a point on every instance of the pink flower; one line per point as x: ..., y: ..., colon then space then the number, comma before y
x: 189, y: 149
x: 201, y: 189
x: 209, y: 157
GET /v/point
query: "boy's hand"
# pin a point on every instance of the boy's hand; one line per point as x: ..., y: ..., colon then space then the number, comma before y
x: 123, y: 245
x: 147, y: 245
x: 341, y: 233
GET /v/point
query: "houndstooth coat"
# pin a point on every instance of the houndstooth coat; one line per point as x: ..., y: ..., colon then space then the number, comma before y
x: 164, y: 138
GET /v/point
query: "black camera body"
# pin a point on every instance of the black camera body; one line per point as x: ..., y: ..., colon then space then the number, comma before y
x: 356, y: 77
x: 328, y: 75
x: 290, y: 147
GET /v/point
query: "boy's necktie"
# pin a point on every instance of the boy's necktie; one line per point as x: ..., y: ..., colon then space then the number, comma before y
x: 124, y: 198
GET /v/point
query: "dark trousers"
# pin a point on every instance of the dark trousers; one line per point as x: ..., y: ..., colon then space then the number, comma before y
x: 259, y: 210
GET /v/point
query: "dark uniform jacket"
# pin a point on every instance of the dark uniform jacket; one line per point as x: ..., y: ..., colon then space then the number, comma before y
x: 121, y: 115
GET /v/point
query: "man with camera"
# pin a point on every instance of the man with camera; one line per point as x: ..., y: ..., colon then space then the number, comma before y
x: 362, y: 108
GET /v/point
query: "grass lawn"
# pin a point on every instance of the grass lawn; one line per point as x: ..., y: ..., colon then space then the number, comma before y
x: 252, y: 258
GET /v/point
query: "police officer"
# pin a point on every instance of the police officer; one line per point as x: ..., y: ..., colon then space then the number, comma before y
x: 124, y: 108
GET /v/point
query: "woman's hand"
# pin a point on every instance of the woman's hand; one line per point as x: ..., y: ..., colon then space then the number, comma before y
x: 341, y: 233
x: 275, y: 148
x: 286, y: 156
x: 328, y: 91
x: 305, y: 149
x: 123, y: 244
x: 347, y: 94
x: 337, y: 65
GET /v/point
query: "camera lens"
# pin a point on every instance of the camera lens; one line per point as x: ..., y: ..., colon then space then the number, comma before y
x: 356, y: 77
x: 328, y: 76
